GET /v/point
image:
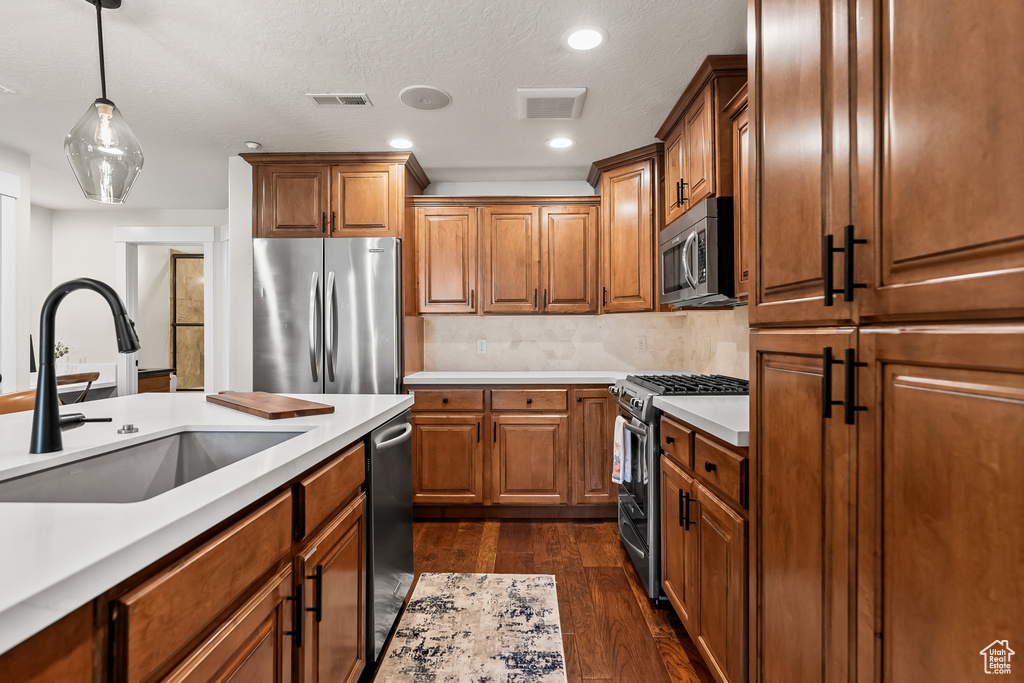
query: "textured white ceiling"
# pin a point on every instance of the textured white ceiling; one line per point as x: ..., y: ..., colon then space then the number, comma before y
x: 197, y: 78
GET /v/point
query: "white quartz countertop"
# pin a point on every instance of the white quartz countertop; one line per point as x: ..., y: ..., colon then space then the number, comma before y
x: 59, y: 556
x: 726, y: 417
x: 524, y: 377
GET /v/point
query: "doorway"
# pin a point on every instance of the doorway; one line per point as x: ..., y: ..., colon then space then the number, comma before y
x: 186, y: 320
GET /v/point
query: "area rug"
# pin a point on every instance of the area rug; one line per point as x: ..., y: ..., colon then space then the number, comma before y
x: 480, y: 628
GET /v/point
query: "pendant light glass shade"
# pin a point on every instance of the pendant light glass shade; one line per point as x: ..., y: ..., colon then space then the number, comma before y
x: 104, y: 153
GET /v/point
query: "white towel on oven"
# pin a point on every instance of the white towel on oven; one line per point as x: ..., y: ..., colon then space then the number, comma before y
x: 627, y: 454
x: 618, y: 445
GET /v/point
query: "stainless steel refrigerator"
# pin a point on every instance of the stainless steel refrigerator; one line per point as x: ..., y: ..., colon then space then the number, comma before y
x: 327, y: 318
x: 327, y: 315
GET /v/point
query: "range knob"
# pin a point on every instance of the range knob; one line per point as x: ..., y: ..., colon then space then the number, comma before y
x: 636, y: 403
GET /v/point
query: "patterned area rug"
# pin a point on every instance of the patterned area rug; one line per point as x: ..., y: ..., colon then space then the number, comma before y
x: 479, y: 628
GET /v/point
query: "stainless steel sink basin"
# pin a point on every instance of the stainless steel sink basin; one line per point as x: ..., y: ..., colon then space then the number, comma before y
x: 141, y: 471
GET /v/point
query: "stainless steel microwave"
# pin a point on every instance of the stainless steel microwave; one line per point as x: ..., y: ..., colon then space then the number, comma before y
x: 696, y: 254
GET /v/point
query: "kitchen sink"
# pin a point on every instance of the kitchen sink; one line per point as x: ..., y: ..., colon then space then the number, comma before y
x: 140, y: 471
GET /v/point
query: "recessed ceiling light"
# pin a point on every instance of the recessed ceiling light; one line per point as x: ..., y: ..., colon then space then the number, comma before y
x: 400, y: 143
x: 561, y: 142
x: 252, y: 145
x: 585, y: 38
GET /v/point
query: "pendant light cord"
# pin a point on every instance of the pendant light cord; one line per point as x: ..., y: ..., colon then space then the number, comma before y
x: 99, y: 31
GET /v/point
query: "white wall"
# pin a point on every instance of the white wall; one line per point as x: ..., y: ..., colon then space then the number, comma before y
x: 16, y: 275
x: 239, y: 329
x: 83, y: 246
x: 41, y: 264
x: 498, y: 189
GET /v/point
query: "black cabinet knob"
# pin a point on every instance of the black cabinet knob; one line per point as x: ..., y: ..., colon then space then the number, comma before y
x: 669, y: 439
x: 710, y: 466
x: 444, y: 400
x: 529, y: 401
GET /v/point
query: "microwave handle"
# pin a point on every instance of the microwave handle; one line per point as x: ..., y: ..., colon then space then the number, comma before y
x: 690, y: 279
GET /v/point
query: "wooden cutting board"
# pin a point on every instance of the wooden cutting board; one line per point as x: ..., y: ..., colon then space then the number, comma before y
x: 268, y: 406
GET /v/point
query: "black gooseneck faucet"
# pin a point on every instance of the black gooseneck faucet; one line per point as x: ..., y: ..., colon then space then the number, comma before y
x: 46, y: 436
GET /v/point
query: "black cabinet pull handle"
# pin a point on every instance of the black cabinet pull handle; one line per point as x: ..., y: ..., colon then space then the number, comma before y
x: 323, y: 222
x: 495, y: 425
x: 297, y: 617
x: 828, y: 248
x: 472, y: 299
x: 444, y: 400
x: 604, y: 296
x: 827, y: 361
x: 318, y: 606
x: 850, y: 407
x: 529, y: 401
x: 478, y: 432
x: 710, y: 466
x: 535, y: 298
x: 545, y: 306
x: 682, y: 508
x: 332, y: 221
x: 682, y: 193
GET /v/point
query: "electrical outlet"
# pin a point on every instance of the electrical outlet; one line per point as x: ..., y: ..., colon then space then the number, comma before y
x: 481, y: 346
x: 641, y: 344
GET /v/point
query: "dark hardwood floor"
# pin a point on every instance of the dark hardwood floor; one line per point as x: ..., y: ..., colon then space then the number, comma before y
x: 609, y: 629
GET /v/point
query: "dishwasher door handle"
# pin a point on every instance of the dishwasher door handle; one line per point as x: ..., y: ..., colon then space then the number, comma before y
x: 393, y: 437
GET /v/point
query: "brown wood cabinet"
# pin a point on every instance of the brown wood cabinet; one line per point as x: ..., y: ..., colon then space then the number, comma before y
x: 446, y: 246
x: 508, y: 449
x: 510, y: 259
x: 698, y: 136
x: 333, y: 195
x: 593, y: 426
x: 447, y: 459
x: 334, y: 566
x: 568, y: 259
x: 704, y: 544
x: 63, y: 652
x: 530, y: 459
x: 742, y: 197
x: 629, y: 222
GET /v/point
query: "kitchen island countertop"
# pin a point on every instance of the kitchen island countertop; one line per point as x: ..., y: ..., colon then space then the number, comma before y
x: 59, y: 556
x: 607, y: 377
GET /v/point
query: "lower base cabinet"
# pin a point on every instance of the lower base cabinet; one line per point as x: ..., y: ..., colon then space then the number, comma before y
x: 447, y: 459
x: 332, y: 570
x: 530, y: 459
x: 680, y: 567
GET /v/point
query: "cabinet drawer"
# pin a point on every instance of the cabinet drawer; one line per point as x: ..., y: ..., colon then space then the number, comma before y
x: 721, y: 467
x: 529, y: 399
x: 448, y: 399
x: 322, y: 492
x: 153, y: 622
x: 677, y: 441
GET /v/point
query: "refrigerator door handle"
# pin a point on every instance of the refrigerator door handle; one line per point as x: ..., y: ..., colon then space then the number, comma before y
x: 332, y: 328
x: 314, y: 327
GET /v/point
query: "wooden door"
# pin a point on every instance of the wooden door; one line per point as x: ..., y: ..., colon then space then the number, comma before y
x: 510, y: 257
x: 940, y: 539
x: 292, y: 200
x: 627, y: 230
x: 568, y: 259
x: 680, y: 560
x: 334, y: 571
x: 447, y: 259
x: 800, y: 499
x: 742, y: 201
x: 944, y: 220
x: 447, y: 459
x: 361, y: 201
x: 722, y: 543
x: 800, y: 111
x: 675, y: 195
x: 529, y: 459
x: 699, y: 153
x: 593, y: 426
x: 254, y: 645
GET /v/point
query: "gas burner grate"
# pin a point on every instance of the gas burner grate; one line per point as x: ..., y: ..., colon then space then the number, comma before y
x: 692, y: 385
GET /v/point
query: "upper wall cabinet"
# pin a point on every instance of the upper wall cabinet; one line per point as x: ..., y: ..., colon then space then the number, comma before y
x: 698, y: 136
x: 534, y: 257
x: 743, y: 247
x: 629, y: 222
x: 333, y: 195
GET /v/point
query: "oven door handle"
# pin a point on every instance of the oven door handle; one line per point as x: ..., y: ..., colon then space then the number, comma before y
x: 642, y: 433
x: 687, y: 273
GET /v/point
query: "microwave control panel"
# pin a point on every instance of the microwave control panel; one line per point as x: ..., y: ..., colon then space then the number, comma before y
x: 702, y: 257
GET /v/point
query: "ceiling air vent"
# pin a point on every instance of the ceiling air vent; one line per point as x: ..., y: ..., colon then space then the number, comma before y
x: 344, y: 99
x: 550, y: 103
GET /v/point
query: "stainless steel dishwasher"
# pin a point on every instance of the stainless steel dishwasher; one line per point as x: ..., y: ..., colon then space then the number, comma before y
x: 388, y: 529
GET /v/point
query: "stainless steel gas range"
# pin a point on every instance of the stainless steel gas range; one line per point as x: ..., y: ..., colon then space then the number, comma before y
x: 639, y: 498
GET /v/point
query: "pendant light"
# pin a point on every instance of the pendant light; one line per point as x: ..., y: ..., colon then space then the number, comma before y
x: 102, y: 150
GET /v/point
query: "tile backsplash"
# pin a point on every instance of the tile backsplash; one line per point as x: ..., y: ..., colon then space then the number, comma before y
x: 700, y: 341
